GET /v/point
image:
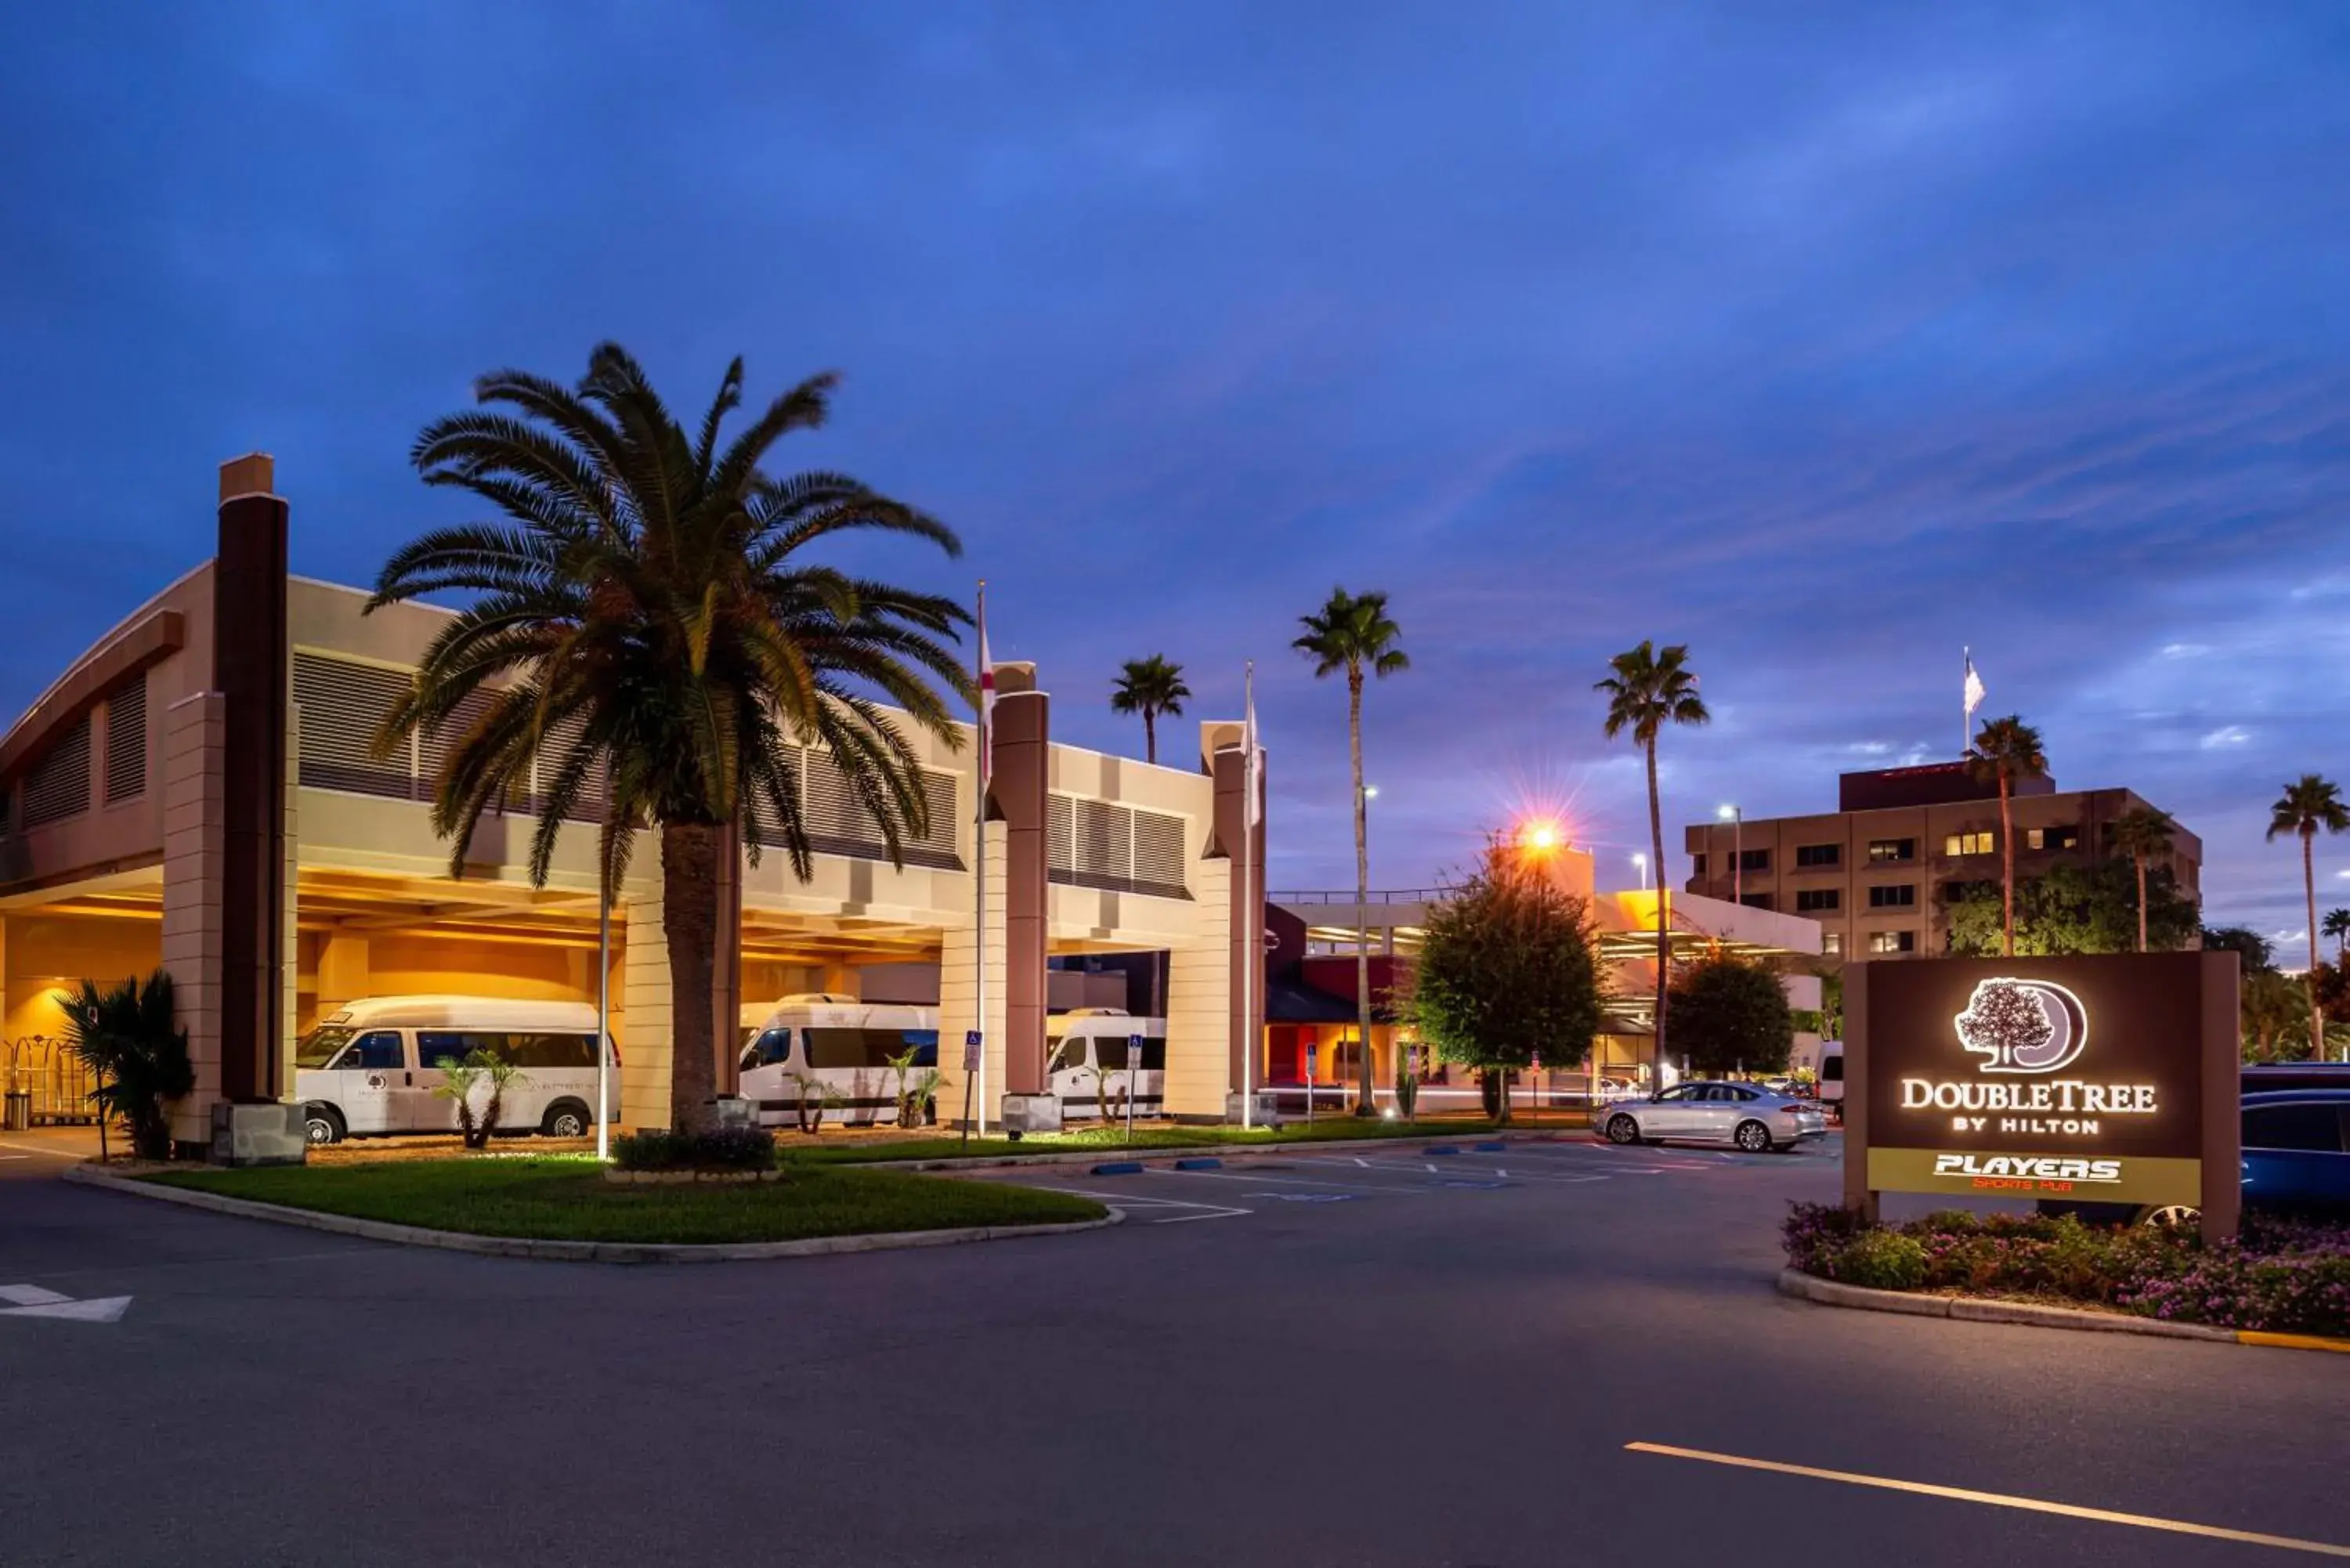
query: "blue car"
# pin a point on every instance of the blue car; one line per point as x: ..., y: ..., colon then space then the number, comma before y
x: 2294, y: 1147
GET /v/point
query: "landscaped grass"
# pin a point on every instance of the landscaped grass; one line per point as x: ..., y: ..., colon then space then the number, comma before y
x: 1110, y: 1140
x: 567, y: 1199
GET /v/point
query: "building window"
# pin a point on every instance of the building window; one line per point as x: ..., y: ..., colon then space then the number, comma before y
x: 1892, y: 941
x: 1891, y: 851
x: 1697, y: 864
x: 1809, y: 899
x: 1956, y: 891
x: 1830, y: 944
x: 1754, y: 860
x: 58, y: 786
x: 1958, y: 844
x: 1893, y: 895
x: 126, y: 740
x: 1755, y: 900
x: 2067, y: 837
x: 1813, y: 856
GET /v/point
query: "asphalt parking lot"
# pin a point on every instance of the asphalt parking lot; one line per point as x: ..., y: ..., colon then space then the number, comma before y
x: 1348, y: 1357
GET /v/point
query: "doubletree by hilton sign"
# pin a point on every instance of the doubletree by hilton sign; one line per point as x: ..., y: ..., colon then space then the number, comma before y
x: 2108, y: 1079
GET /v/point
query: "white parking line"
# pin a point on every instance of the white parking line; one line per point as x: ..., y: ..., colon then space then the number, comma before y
x: 1123, y: 1199
x: 1452, y: 1169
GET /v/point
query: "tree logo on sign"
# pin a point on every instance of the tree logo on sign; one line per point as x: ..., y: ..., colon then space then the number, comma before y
x: 2022, y: 1025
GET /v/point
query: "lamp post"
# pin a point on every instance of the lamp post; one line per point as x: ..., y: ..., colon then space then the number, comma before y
x: 1737, y: 820
x: 1641, y: 862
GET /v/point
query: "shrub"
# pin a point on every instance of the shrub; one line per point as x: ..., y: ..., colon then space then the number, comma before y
x: 1815, y: 1233
x: 723, y: 1148
x: 137, y: 1056
x: 1881, y: 1261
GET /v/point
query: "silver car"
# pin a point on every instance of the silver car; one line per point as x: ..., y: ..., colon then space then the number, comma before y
x: 1745, y: 1115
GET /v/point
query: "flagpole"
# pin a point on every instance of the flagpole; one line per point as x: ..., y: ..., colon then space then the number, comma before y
x: 1252, y: 951
x: 978, y: 865
x: 1966, y: 709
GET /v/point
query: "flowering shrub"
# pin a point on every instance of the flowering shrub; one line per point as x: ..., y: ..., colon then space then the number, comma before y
x: 2282, y: 1274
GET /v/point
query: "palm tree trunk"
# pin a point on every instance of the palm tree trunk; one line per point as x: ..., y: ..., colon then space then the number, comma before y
x: 1664, y: 934
x: 2309, y: 887
x: 1149, y: 736
x: 2007, y: 870
x: 1367, y: 1094
x: 2140, y: 858
x: 689, y: 928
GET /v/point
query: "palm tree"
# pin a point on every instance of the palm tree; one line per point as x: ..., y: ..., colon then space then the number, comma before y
x: 125, y: 1034
x: 2006, y: 752
x: 647, y: 639
x: 1352, y: 633
x: 1149, y: 687
x: 2141, y: 832
x: 2336, y: 925
x: 2304, y: 808
x: 1649, y: 690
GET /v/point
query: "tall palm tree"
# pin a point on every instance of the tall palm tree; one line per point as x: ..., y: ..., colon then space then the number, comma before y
x: 1352, y: 633
x: 2141, y: 832
x: 1649, y: 690
x: 1149, y: 687
x: 647, y: 637
x: 2306, y: 807
x: 2337, y: 926
x: 2008, y: 751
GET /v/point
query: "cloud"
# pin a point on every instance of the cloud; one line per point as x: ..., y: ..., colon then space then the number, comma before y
x: 2227, y: 735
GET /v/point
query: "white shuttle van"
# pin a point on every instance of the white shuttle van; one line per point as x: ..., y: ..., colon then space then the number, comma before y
x: 1088, y: 1049
x: 370, y: 1066
x: 837, y: 1043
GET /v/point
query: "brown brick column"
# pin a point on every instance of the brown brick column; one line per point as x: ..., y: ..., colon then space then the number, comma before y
x: 1019, y: 791
x: 1245, y: 916
x: 250, y: 671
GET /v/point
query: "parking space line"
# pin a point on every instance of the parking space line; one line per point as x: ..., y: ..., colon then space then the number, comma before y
x: 1998, y: 1499
x: 1288, y: 1181
x: 1450, y: 1169
x: 1214, y: 1210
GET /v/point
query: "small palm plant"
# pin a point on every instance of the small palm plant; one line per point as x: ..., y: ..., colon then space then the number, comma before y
x: 815, y: 1097
x: 477, y: 1123
x: 2336, y: 925
x: 125, y: 1034
x: 1149, y: 687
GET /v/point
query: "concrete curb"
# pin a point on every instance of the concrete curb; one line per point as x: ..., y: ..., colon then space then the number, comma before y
x: 1968, y: 1309
x: 1182, y: 1151
x: 577, y: 1251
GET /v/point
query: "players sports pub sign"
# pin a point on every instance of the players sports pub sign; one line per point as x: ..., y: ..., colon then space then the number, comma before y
x: 2097, y: 1079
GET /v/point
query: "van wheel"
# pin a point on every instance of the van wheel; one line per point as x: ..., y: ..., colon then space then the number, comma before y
x: 322, y: 1124
x: 567, y: 1119
x: 2171, y: 1216
x: 1623, y: 1130
x: 1753, y: 1138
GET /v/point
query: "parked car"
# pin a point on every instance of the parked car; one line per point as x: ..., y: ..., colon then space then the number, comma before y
x: 373, y: 1067
x: 2296, y: 1153
x: 1752, y: 1118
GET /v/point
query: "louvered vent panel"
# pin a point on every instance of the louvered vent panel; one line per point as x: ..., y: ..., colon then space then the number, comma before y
x: 1158, y: 854
x: 1060, y: 857
x: 344, y: 705
x: 435, y: 746
x: 58, y: 786
x: 1102, y: 845
x: 126, y: 740
x: 555, y: 750
x: 837, y: 821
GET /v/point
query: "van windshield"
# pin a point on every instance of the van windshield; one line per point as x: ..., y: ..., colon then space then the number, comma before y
x: 318, y: 1047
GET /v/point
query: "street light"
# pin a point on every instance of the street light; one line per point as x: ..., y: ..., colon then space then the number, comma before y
x: 1641, y: 861
x: 1737, y: 819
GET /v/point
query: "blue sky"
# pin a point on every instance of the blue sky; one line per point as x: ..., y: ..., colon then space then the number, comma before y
x: 1824, y: 338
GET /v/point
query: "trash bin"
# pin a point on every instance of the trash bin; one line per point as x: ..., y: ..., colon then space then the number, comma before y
x: 17, y: 1110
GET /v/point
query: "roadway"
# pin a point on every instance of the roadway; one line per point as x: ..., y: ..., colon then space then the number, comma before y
x: 1345, y: 1358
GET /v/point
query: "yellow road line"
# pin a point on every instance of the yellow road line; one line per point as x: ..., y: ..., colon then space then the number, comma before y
x: 2291, y: 1340
x: 1998, y: 1500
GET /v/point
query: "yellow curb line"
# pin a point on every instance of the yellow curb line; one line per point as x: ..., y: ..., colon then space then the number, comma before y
x: 2291, y: 1340
x: 1998, y: 1500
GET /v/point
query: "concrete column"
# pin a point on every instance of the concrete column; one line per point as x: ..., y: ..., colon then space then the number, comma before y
x: 838, y: 979
x: 1243, y: 905
x: 343, y: 970
x: 959, y: 956
x: 1200, y: 1004
x: 250, y: 668
x: 193, y: 847
x: 1018, y: 794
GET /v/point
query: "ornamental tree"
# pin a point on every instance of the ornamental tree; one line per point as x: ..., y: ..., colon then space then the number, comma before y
x: 1730, y: 1014
x: 1508, y: 971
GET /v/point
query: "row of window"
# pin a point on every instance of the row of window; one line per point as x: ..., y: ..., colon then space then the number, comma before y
x: 1903, y: 851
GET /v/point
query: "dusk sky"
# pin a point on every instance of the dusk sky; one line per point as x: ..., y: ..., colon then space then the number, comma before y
x: 1825, y: 339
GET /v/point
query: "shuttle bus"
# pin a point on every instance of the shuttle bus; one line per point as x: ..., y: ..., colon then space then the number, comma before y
x: 372, y: 1066
x: 836, y: 1046
x: 1091, y: 1073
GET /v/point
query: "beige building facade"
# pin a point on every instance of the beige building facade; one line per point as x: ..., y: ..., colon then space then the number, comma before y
x: 1879, y: 873
x: 138, y: 829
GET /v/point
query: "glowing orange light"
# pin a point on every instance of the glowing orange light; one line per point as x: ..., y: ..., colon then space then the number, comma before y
x: 1541, y: 837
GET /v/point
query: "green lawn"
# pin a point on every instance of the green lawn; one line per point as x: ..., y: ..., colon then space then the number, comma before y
x: 565, y: 1198
x: 1111, y: 1141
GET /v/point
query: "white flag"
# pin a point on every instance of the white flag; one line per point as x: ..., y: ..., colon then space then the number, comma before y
x: 1974, y: 688
x: 1250, y: 806
x: 987, y: 699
